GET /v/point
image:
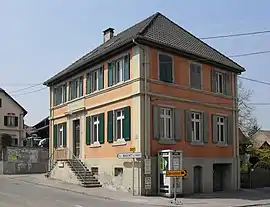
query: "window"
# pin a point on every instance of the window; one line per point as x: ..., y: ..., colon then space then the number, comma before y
x: 94, y: 170
x: 95, y: 129
x: 220, y: 82
x: 95, y: 80
x: 11, y: 121
x: 118, y: 70
x: 0, y: 102
x: 196, y: 126
x: 14, y: 142
x: 165, y: 68
x: 118, y: 171
x: 166, y: 123
x: 119, y: 124
x: 220, y: 129
x: 60, y: 95
x: 59, y: 135
x: 76, y: 88
x: 195, y: 75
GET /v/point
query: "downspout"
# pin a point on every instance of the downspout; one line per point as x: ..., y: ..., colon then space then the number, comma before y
x: 145, y: 148
x: 237, y: 133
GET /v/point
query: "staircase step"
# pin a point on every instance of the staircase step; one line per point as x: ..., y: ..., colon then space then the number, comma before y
x: 91, y: 185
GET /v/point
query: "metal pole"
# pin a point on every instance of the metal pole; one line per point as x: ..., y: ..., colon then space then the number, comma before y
x: 133, y: 174
x: 175, y: 189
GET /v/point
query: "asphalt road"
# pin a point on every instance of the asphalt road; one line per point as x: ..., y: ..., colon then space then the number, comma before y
x: 19, y: 194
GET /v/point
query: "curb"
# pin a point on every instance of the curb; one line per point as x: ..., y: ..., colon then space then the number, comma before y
x: 94, y: 196
x: 250, y: 205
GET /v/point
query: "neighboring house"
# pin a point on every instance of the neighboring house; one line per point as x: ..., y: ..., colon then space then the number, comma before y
x: 11, y: 118
x: 261, y: 139
x: 153, y: 86
x: 41, y: 129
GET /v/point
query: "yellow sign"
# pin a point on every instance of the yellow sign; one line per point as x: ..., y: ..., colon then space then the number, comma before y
x: 14, y: 158
x: 132, y: 149
x: 176, y: 173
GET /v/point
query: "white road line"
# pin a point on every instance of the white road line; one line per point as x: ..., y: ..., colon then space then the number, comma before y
x: 78, y: 206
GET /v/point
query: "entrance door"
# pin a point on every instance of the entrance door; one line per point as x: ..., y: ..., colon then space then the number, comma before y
x: 76, y: 137
x: 197, y: 179
x: 218, y: 175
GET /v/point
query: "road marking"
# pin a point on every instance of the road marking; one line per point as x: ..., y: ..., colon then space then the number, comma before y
x: 78, y: 206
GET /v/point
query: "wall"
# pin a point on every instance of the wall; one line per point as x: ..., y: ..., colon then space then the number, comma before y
x: 22, y: 160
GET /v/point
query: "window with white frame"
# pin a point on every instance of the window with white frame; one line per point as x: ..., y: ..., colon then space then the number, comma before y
x: 221, y: 129
x: 76, y: 87
x: 11, y: 120
x: 196, y: 126
x: 119, y: 70
x: 119, y: 124
x: 96, y: 75
x: 220, y: 82
x: 60, y: 135
x: 166, y: 123
x: 95, y: 129
x: 61, y: 95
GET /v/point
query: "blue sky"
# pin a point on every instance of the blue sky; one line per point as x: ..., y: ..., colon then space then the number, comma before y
x: 40, y: 38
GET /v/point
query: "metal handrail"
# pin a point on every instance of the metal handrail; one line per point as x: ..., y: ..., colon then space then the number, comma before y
x: 78, y: 161
x: 51, y: 160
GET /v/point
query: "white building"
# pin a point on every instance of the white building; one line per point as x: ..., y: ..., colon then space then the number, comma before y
x: 11, y: 118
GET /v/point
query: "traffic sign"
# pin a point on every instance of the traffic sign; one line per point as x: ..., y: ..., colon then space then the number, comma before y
x: 176, y: 173
x: 129, y: 155
x: 132, y: 149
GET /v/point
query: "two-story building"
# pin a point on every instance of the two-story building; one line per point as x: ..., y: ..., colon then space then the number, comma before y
x: 153, y: 87
x: 11, y: 118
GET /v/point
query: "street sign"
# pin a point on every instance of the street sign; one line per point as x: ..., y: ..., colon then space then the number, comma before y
x: 176, y: 173
x: 129, y: 155
x: 132, y: 149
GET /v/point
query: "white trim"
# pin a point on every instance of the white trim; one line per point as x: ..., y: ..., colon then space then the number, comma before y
x: 173, y: 76
x: 166, y: 118
x: 218, y: 84
x: 121, y: 120
x: 221, y: 122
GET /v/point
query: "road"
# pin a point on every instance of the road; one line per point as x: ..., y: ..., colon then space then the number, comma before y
x: 20, y: 194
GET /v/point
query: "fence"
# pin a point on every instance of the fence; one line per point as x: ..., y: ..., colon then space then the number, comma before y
x: 24, y: 160
x: 258, y: 178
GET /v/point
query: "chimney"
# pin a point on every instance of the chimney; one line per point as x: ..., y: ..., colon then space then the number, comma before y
x: 108, y: 34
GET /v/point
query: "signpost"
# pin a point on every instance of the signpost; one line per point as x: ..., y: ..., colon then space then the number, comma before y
x: 131, y: 155
x: 175, y: 174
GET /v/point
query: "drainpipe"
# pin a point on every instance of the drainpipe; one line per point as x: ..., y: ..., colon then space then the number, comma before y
x: 145, y: 148
x: 236, y: 134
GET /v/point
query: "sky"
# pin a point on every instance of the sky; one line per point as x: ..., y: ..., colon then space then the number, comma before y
x: 40, y: 38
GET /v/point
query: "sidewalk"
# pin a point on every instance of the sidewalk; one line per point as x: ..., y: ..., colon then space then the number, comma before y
x: 241, y: 198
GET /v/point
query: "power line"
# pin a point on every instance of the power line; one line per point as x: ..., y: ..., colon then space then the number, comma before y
x: 30, y: 92
x: 22, y: 89
x: 18, y: 84
x: 254, y: 80
x: 251, y: 53
x: 235, y: 35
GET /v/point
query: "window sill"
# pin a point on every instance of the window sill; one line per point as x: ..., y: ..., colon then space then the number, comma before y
x: 167, y: 141
x: 220, y: 144
x: 119, y: 142
x: 95, y: 145
x: 198, y: 143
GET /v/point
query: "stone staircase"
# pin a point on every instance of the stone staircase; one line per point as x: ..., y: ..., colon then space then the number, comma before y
x: 83, y: 174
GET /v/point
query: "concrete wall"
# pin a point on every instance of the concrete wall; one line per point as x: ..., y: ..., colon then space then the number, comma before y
x: 21, y: 160
x: 62, y: 172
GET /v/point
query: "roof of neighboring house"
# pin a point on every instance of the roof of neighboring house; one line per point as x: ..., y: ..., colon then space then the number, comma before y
x: 243, y: 139
x: 43, y: 120
x: 156, y: 30
x: 260, y: 137
x: 24, y: 111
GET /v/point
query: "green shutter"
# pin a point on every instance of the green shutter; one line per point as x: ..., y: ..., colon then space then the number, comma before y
x: 64, y: 134
x: 214, y: 80
x: 65, y: 92
x: 55, y: 96
x: 214, y: 129
x: 126, y: 129
x: 55, y: 136
x: 205, y: 124
x: 101, y: 129
x: 81, y: 86
x: 110, y: 127
x: 188, y: 126
x: 110, y: 74
x: 156, y: 122
x: 101, y: 78
x: 88, y: 83
x: 69, y: 90
x: 227, y: 83
x: 126, y: 68
x: 88, y: 130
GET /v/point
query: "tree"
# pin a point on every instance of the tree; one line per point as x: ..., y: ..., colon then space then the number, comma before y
x: 6, y: 140
x: 247, y: 121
